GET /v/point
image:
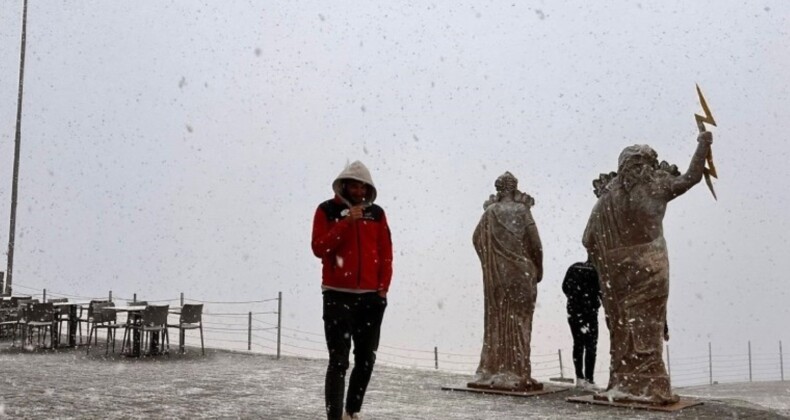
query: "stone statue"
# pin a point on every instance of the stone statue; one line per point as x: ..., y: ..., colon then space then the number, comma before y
x: 625, y: 240
x: 507, y: 242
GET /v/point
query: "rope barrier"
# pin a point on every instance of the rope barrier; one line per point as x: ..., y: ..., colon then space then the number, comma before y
x: 237, y: 314
x: 233, y: 329
x: 139, y: 299
x: 231, y: 302
x: 305, y: 339
x: 16, y: 285
x: 223, y: 330
x: 456, y: 363
x: 405, y: 349
x: 304, y: 348
x: 405, y: 357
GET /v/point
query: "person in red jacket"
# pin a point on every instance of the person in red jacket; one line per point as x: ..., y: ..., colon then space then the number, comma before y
x: 352, y: 239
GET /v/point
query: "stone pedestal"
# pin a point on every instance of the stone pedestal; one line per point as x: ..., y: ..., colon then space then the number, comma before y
x: 542, y: 391
x: 680, y: 404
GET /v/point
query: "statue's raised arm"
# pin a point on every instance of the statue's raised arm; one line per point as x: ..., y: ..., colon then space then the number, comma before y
x: 684, y: 182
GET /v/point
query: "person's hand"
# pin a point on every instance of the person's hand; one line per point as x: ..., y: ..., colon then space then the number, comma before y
x: 382, y: 294
x: 355, y: 212
x: 705, y: 136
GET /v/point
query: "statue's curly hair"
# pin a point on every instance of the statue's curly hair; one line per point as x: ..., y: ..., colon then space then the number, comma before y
x: 599, y: 184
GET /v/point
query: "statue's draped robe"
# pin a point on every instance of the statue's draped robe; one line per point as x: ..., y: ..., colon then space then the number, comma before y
x: 635, y: 287
x: 510, y: 288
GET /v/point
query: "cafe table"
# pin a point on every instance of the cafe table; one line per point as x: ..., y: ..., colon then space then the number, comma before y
x: 73, y: 320
x: 133, y: 313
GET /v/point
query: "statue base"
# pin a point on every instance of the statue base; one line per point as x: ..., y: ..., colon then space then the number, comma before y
x: 499, y: 391
x: 531, y: 387
x: 627, y: 400
x: 634, y: 404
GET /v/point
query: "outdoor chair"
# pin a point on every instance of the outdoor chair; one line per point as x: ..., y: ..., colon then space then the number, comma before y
x: 103, y: 318
x: 17, y: 316
x: 8, y: 315
x: 16, y: 300
x: 191, y: 318
x: 61, y: 314
x: 57, y: 300
x: 87, y: 317
x: 39, y: 316
x: 9, y: 318
x: 152, y: 320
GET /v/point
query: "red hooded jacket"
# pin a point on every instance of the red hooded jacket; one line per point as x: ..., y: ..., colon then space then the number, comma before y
x: 355, y: 255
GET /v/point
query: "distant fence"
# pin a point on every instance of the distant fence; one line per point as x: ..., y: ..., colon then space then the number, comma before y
x: 256, y: 326
x: 716, y: 367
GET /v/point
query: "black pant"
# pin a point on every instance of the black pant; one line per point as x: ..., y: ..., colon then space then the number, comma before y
x: 584, y: 328
x: 350, y: 316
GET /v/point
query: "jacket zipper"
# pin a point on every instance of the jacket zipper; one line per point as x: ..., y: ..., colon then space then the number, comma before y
x: 359, y: 256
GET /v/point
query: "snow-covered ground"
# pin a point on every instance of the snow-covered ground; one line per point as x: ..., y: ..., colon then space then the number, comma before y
x: 774, y: 395
x: 70, y: 384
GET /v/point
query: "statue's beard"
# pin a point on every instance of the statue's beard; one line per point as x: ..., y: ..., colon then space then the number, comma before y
x: 635, y: 175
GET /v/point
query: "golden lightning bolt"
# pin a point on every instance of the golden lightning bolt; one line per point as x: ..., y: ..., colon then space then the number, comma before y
x: 710, y: 170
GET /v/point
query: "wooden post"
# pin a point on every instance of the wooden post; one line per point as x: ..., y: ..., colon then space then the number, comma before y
x: 110, y: 295
x: 182, y: 299
x: 559, y: 355
x: 134, y: 298
x: 710, y: 363
x: 17, y: 146
x: 750, y: 360
x: 279, y: 320
x: 781, y: 362
x: 44, y: 296
x: 436, y: 357
x: 249, y: 332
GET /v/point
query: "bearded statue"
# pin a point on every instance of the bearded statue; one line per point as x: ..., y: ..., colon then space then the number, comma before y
x: 625, y: 240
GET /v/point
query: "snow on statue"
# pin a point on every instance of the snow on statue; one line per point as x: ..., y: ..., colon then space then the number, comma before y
x: 507, y: 242
x: 625, y: 240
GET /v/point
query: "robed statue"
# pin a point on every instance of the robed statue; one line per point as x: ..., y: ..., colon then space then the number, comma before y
x: 507, y: 242
x: 625, y: 240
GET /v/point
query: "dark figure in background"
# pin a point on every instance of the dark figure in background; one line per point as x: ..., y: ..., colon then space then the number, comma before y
x: 584, y: 298
x: 352, y: 238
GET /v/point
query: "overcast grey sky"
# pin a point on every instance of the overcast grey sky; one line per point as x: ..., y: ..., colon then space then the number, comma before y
x: 174, y: 146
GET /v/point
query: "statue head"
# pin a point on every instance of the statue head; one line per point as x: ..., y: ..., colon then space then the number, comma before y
x: 637, y: 164
x: 637, y: 155
x: 506, y: 183
x: 507, y: 189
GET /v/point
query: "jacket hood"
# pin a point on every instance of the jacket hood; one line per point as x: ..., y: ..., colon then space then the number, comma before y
x: 356, y: 171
